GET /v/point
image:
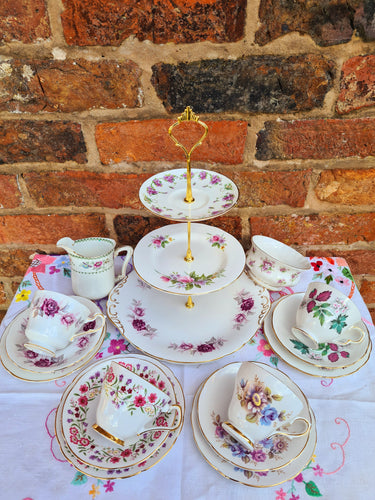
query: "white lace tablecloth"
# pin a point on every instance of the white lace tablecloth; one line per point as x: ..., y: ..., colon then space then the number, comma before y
x: 32, y: 466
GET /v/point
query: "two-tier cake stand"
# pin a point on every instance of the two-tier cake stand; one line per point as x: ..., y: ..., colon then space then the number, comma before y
x: 154, y: 307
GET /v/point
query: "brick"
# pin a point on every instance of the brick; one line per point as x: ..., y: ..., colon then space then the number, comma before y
x: 24, y: 21
x: 256, y: 84
x: 38, y: 141
x: 357, y: 84
x: 85, y: 189
x: 2, y: 314
x: 367, y: 290
x: 327, y: 22
x: 316, y: 229
x: 92, y: 22
x: 14, y: 262
x: 258, y: 189
x: 3, y: 294
x: 10, y: 196
x: 359, y: 261
x: 149, y: 141
x: 316, y: 139
x: 68, y: 86
x: 372, y: 312
x: 347, y: 187
x: 48, y: 229
x: 131, y: 228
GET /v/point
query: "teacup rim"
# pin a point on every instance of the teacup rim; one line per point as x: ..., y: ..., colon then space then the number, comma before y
x: 305, y: 264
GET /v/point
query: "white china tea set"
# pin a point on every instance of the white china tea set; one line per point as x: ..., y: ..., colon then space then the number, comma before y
x: 258, y: 411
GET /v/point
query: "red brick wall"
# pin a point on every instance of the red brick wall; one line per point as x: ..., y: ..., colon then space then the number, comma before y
x: 88, y: 89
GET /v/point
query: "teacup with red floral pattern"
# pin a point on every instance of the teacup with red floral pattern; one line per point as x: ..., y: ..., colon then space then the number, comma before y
x: 129, y: 405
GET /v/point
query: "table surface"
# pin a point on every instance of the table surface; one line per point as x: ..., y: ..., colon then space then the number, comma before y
x: 33, y: 467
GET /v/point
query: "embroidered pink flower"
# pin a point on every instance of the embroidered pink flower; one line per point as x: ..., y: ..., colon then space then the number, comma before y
x: 299, y: 478
x: 117, y: 346
x: 38, y: 265
x: 318, y: 471
x: 265, y: 348
x: 139, y: 401
x: 281, y: 494
x: 108, y: 486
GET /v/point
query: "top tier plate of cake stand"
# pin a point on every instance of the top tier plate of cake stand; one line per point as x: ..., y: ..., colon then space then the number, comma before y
x: 164, y: 195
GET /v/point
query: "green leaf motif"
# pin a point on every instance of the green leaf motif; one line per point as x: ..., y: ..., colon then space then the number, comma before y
x: 328, y: 279
x: 312, y: 489
x: 79, y: 478
x: 67, y: 272
x: 339, y: 323
x: 274, y: 360
x: 300, y: 346
x: 347, y: 274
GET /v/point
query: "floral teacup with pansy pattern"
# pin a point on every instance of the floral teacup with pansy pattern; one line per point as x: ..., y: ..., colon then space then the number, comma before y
x: 262, y: 406
x: 55, y: 320
x: 128, y: 405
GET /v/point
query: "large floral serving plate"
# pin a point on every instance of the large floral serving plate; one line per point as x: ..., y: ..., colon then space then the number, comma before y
x: 159, y: 259
x: 162, y: 326
x: 164, y: 195
x: 213, y: 402
x: 130, y: 470
x: 29, y: 366
x: 79, y: 415
x: 260, y: 479
x: 328, y: 355
x: 303, y: 366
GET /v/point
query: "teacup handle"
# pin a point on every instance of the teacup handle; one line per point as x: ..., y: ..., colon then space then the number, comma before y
x: 355, y: 341
x: 129, y: 253
x: 92, y: 330
x: 174, y: 427
x: 295, y: 434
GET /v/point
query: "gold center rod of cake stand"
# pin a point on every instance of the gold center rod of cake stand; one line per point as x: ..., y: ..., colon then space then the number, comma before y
x: 189, y: 256
x: 189, y: 304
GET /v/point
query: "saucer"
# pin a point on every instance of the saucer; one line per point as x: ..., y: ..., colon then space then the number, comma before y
x: 159, y: 259
x: 121, y: 473
x: 247, y: 477
x: 29, y: 366
x: 329, y: 355
x: 79, y: 415
x: 302, y: 365
x: 164, y: 195
x: 162, y: 326
x: 212, y: 408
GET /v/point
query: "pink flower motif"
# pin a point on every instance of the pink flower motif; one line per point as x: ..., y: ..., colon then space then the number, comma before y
x: 153, y: 381
x: 108, y: 486
x: 84, y: 388
x: 161, y: 385
x: 98, y: 264
x: 281, y: 494
x: 38, y: 265
x: 157, y: 242
x: 240, y: 318
x: 68, y: 319
x: 161, y: 422
x: 84, y: 441
x: 333, y: 357
x: 294, y: 497
x: 110, y: 375
x: 165, y: 278
x: 185, y: 346
x: 152, y: 397
x: 323, y: 296
x: 299, y: 478
x: 265, y: 348
x: 73, y: 439
x: 310, y: 306
x: 139, y: 401
x: 186, y: 279
x: 53, y: 270
x: 114, y: 460
x: 73, y: 431
x: 344, y: 354
x: 82, y: 401
x: 117, y: 346
x: 318, y: 471
x: 157, y: 434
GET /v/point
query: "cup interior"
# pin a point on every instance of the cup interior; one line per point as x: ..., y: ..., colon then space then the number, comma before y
x: 91, y: 248
x: 280, y: 252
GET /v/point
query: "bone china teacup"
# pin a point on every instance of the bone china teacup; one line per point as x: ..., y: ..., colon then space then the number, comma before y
x: 56, y: 319
x: 129, y: 404
x: 262, y: 406
x: 327, y: 315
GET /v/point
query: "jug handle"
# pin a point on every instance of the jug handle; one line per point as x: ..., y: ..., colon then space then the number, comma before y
x: 129, y: 253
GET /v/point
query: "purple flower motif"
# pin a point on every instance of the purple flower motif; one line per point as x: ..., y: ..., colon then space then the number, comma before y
x: 82, y: 342
x: 215, y: 179
x: 139, y: 311
x: 324, y: 296
x: 139, y: 324
x: 68, y: 319
x: 169, y: 178
x: 269, y: 414
x: 219, y: 431
x: 90, y: 325
x: 30, y: 354
x: 247, y: 304
x: 151, y: 190
x: 43, y: 362
x: 205, y: 348
x: 157, y: 182
x: 258, y: 455
x: 240, y: 318
x: 228, y: 197
x: 50, y: 307
x: 202, y: 175
x: 310, y: 306
x: 53, y: 270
